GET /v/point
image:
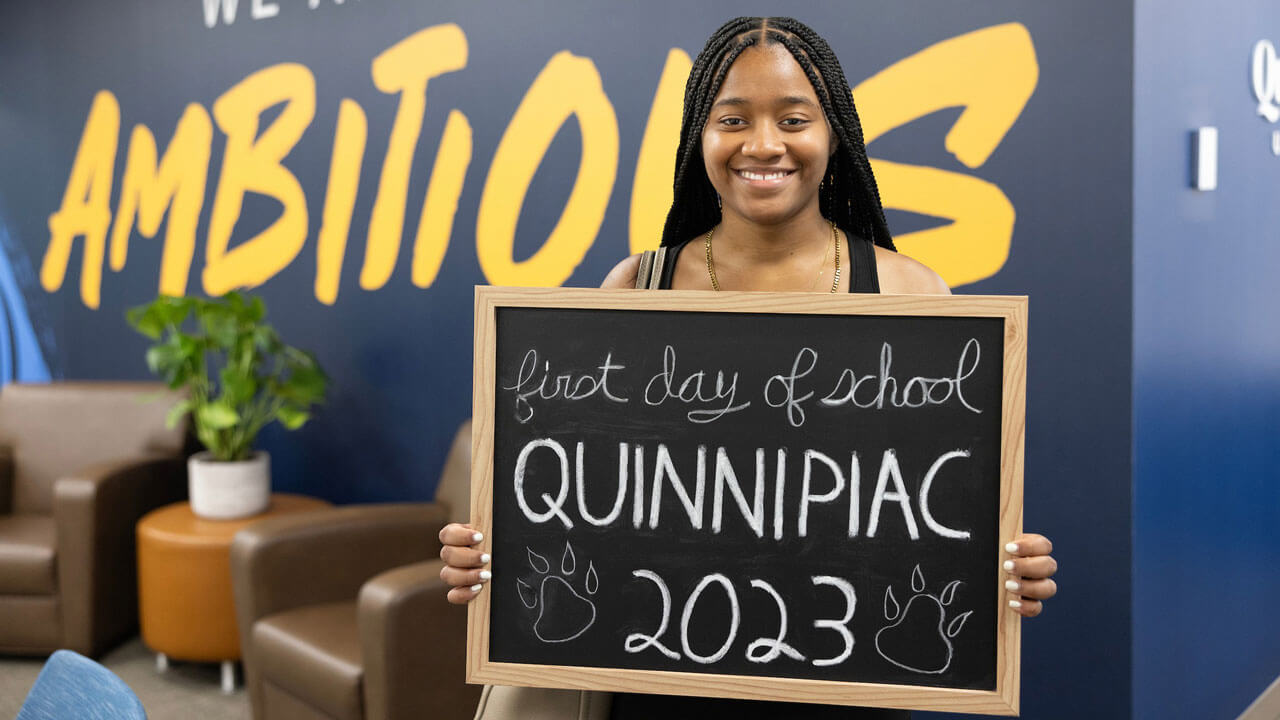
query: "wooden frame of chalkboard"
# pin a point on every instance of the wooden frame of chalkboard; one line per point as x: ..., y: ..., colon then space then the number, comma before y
x: 595, y: 394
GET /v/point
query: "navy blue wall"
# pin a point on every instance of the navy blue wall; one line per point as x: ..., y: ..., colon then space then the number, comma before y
x: 1206, y: 366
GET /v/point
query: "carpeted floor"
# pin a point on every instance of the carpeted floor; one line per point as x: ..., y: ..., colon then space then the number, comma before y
x: 187, y: 690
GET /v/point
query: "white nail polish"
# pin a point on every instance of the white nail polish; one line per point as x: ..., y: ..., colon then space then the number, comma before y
x: 1008, y: 584
x: 1015, y: 604
x: 477, y: 537
x: 1008, y: 565
x: 477, y: 587
x: 484, y: 560
x: 485, y: 575
x: 1011, y: 547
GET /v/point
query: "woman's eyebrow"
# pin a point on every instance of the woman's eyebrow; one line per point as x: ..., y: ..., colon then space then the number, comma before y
x: 787, y: 100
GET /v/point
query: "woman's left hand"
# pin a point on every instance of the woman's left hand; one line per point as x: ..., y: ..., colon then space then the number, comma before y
x: 1028, y: 573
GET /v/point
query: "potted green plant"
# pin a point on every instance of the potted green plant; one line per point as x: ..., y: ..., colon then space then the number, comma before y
x: 239, y: 377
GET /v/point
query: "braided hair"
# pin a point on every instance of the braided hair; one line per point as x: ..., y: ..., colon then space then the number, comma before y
x: 848, y: 195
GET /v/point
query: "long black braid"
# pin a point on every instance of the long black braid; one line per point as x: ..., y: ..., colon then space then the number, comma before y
x: 849, y: 196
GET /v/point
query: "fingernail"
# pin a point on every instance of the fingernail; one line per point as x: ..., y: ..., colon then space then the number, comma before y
x: 480, y: 536
x: 485, y: 575
x: 477, y: 587
x: 1015, y: 604
x: 484, y: 560
x: 1008, y: 584
x: 1011, y: 547
x: 1008, y: 565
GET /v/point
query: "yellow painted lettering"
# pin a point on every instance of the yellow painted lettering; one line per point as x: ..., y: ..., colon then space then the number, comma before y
x: 340, y: 198
x: 441, y: 204
x: 651, y: 192
x: 991, y: 73
x: 175, y: 186
x: 252, y: 163
x: 404, y: 68
x: 568, y: 85
x: 86, y: 203
x: 975, y: 244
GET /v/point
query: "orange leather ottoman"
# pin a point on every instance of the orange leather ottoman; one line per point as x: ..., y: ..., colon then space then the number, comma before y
x: 184, y: 583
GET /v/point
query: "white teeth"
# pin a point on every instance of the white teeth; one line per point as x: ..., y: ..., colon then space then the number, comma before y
x: 757, y: 176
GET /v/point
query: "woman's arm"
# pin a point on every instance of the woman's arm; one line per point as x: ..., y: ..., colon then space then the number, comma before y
x: 623, y: 275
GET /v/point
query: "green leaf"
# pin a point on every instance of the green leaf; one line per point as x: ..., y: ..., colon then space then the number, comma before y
x: 217, y: 416
x: 299, y: 358
x: 265, y: 337
x: 292, y: 418
x: 256, y: 311
x: 171, y: 311
x: 220, y: 325
x: 238, y: 384
x: 176, y: 413
x: 145, y: 320
x: 209, y: 438
x: 164, y: 359
x: 305, y: 385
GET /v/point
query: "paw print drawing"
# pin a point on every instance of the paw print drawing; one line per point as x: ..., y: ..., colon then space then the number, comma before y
x: 563, y: 612
x: 915, y: 640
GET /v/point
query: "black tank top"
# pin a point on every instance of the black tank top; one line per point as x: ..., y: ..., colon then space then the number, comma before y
x: 628, y: 706
x: 862, y: 259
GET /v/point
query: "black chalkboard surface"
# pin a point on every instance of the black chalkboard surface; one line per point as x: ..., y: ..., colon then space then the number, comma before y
x: 776, y: 496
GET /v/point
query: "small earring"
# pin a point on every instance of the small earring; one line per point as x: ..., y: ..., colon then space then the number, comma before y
x: 719, y: 204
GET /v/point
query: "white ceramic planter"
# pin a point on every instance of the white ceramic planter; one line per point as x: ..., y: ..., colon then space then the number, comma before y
x: 228, y: 490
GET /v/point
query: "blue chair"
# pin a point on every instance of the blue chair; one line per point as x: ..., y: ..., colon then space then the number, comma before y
x: 71, y: 686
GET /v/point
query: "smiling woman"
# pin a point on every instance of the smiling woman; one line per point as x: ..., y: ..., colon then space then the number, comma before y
x: 774, y: 191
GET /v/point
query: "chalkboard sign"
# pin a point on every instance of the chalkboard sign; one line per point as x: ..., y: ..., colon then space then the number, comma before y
x: 761, y: 495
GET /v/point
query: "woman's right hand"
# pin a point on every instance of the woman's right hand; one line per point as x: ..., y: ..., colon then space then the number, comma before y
x: 463, y: 563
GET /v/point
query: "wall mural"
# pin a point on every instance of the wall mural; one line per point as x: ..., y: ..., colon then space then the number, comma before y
x: 361, y: 166
x: 990, y: 73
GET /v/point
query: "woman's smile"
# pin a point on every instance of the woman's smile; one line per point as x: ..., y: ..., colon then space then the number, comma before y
x: 763, y: 177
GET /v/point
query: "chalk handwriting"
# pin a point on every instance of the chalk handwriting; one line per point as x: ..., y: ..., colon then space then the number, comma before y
x: 795, y: 413
x: 687, y: 476
x: 665, y: 386
x: 761, y: 650
x: 530, y: 383
x: 840, y: 626
x: 638, y: 642
x: 916, y: 392
x: 735, y: 619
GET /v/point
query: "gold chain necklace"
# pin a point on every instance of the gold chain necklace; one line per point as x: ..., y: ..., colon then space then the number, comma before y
x: 711, y: 265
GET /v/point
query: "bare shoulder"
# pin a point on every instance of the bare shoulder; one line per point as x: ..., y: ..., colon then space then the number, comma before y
x: 623, y: 275
x: 900, y: 274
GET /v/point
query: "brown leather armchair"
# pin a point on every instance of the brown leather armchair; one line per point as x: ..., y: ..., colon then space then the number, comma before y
x: 342, y: 612
x: 80, y: 462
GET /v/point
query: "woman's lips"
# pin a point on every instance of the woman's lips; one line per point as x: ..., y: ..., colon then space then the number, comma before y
x: 763, y: 178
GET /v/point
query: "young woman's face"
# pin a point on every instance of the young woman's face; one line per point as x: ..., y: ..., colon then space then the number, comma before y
x: 766, y: 142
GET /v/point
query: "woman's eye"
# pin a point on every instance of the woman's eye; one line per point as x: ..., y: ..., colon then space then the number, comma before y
x: 732, y: 121
x: 795, y: 122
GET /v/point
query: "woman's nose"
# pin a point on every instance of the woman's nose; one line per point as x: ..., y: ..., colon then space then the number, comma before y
x: 763, y: 141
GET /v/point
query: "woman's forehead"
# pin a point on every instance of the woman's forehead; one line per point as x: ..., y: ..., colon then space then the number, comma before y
x: 767, y: 74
